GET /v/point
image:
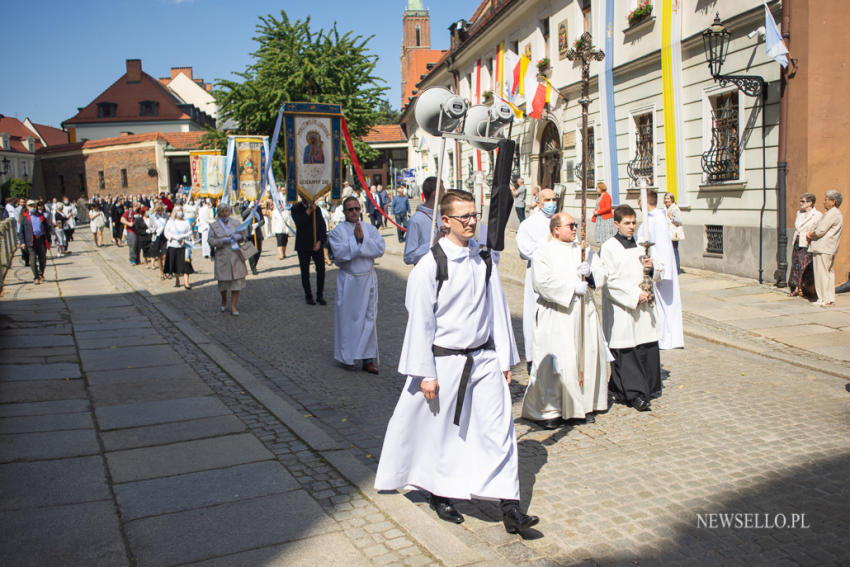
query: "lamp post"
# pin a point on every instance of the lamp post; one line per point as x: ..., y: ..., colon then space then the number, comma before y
x: 716, y: 40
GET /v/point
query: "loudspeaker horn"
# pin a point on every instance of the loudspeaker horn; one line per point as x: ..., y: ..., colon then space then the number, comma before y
x: 484, y: 121
x: 438, y: 110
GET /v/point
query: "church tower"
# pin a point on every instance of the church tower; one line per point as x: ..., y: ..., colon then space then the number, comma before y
x: 416, y: 50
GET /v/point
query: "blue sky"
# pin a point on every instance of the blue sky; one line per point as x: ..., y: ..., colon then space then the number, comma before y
x: 62, y: 54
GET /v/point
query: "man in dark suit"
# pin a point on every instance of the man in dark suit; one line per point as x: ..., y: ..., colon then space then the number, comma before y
x: 310, y: 246
x: 34, y: 232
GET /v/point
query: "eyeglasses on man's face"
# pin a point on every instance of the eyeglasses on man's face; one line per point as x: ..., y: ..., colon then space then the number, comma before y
x: 353, y: 209
x: 465, y: 219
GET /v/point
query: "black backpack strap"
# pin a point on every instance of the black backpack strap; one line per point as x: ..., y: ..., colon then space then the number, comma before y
x: 488, y: 260
x: 442, y: 265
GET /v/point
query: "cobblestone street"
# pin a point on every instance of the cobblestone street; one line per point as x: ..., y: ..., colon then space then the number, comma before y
x: 737, y: 430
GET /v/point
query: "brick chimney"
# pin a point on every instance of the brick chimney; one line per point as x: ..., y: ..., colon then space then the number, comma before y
x: 134, y: 70
x: 177, y: 70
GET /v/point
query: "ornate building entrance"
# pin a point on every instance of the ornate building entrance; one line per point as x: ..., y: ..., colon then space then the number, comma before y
x: 550, y: 157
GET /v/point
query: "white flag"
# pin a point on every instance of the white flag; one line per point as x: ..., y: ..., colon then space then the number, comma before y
x: 773, y: 39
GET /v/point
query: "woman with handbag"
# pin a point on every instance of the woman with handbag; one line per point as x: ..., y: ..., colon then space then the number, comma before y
x: 677, y: 231
x: 178, y: 233
x: 230, y: 253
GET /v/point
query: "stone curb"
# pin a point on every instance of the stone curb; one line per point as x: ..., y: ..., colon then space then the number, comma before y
x: 422, y: 526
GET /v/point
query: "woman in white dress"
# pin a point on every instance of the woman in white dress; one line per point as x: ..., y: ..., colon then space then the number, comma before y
x: 178, y: 233
x: 97, y: 222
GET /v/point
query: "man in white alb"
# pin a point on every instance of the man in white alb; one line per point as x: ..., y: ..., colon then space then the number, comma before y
x: 668, y: 300
x: 556, y: 391
x: 355, y: 246
x: 417, y: 239
x: 533, y: 232
x: 452, y: 431
x: 628, y: 319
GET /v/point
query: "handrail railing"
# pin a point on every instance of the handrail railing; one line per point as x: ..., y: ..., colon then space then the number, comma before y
x: 8, y: 245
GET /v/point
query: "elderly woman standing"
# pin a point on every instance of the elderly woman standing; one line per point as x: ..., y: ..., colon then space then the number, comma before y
x: 178, y: 233
x: 230, y: 270
x: 674, y: 222
x: 824, y: 244
x: 603, y: 215
x: 801, y: 259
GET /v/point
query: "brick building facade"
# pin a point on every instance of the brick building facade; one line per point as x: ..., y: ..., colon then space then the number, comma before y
x: 142, y: 163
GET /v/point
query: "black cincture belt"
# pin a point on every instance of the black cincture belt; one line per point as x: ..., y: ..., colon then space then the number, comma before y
x: 467, y: 369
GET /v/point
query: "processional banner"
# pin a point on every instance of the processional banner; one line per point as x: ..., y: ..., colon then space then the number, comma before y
x: 245, y: 164
x: 313, y: 147
x: 207, y: 167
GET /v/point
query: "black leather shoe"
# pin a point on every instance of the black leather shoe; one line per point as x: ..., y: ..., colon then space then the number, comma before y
x: 445, y: 509
x: 321, y: 301
x: 553, y: 423
x: 589, y: 418
x: 310, y: 301
x: 255, y: 272
x: 515, y: 521
x: 640, y: 403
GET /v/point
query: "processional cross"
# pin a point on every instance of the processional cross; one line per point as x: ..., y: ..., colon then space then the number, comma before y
x: 585, y: 52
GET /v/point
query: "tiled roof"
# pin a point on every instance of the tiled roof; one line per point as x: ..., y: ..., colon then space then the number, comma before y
x: 184, y: 140
x: 18, y: 134
x: 178, y: 140
x: 127, y: 96
x: 53, y: 136
x: 385, y: 133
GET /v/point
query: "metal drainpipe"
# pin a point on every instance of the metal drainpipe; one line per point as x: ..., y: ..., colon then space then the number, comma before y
x: 782, y: 163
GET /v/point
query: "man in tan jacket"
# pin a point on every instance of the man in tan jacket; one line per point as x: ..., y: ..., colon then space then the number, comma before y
x: 824, y: 240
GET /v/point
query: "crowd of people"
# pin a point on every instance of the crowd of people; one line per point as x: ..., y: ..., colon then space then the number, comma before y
x: 455, y: 406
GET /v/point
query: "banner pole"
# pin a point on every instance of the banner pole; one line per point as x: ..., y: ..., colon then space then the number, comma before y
x: 437, y: 191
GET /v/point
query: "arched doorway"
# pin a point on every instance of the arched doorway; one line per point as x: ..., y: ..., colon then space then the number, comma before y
x: 549, y: 172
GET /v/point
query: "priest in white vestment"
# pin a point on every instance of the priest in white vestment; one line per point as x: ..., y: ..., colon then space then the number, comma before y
x: 628, y: 320
x: 355, y: 246
x: 668, y: 300
x: 417, y: 240
x: 533, y: 232
x: 452, y: 431
x: 555, y: 390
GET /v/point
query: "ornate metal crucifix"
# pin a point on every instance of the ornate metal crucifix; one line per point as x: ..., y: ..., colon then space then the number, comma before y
x: 584, y: 52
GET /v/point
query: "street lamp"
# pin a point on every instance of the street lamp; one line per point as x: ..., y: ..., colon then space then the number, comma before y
x: 716, y: 42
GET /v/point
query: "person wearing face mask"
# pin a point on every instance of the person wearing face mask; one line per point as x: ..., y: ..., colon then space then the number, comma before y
x: 230, y: 271
x: 34, y: 231
x: 533, y: 232
x: 178, y: 232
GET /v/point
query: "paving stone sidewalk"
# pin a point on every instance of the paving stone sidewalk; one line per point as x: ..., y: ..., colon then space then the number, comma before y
x: 738, y: 429
x: 123, y: 443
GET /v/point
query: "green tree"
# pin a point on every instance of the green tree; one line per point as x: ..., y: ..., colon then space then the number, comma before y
x: 387, y: 114
x: 296, y: 64
x: 16, y: 188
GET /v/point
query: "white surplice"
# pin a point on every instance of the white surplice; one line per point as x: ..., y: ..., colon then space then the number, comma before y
x: 668, y: 300
x: 554, y: 389
x: 532, y: 232
x: 423, y: 448
x: 356, y: 304
x: 625, y: 322
x: 416, y: 239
